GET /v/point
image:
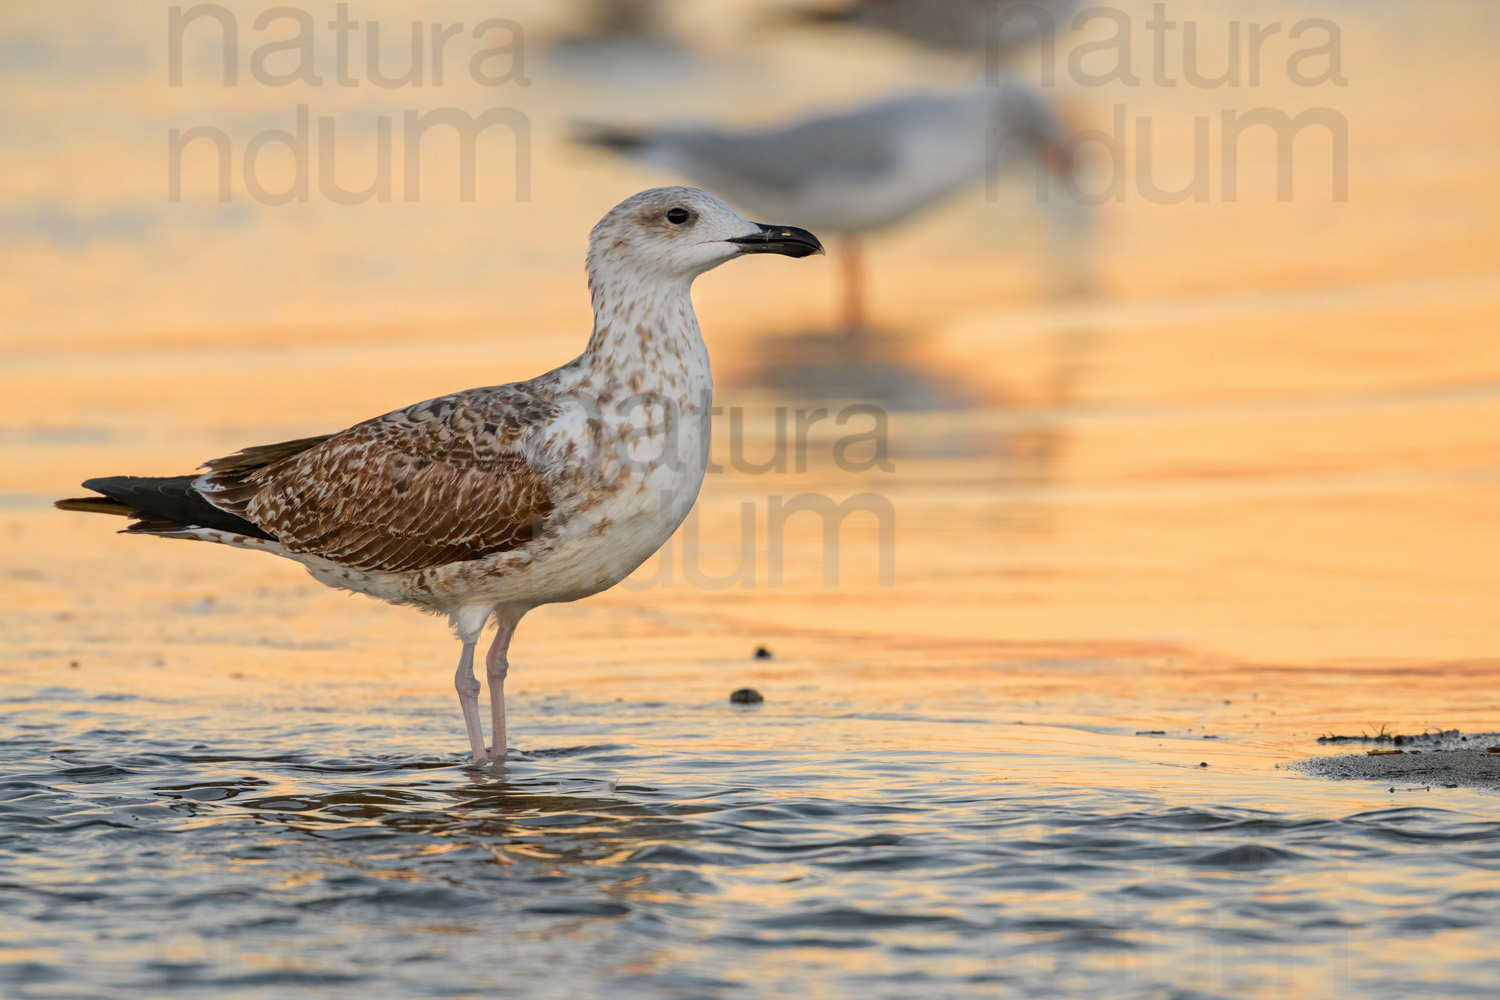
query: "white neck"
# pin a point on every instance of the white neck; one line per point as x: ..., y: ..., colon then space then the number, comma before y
x: 645, y: 332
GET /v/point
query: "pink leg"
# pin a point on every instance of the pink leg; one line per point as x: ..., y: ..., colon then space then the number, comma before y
x: 496, y: 666
x: 468, y: 700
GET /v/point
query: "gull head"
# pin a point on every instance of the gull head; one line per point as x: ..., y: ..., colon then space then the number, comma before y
x: 680, y: 232
x: 1024, y: 120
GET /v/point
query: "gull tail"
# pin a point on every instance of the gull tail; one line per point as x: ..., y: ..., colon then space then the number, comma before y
x: 158, y: 506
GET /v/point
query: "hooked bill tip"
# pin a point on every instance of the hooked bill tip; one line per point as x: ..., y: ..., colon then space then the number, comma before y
x: 788, y: 241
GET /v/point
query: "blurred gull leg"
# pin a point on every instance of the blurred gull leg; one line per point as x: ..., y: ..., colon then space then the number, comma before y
x: 852, y: 268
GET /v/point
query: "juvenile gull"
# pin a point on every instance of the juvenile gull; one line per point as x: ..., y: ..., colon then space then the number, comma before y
x: 489, y: 502
x: 859, y: 170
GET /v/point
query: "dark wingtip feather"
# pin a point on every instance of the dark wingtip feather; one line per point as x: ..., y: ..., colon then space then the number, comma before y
x: 94, y: 505
x: 797, y: 17
x: 109, y: 485
x: 610, y: 137
x: 160, y: 504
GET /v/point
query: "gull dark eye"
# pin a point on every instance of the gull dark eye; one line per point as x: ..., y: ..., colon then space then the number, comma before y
x: 677, y: 216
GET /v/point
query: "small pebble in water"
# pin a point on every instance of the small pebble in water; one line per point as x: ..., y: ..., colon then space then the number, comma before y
x: 762, y: 653
x: 746, y: 696
x: 73, y: 664
x: 1203, y: 763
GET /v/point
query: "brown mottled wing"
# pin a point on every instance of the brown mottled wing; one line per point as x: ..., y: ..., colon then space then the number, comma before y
x: 440, y: 482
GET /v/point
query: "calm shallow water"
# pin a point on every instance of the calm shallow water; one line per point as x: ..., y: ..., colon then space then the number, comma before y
x: 154, y: 851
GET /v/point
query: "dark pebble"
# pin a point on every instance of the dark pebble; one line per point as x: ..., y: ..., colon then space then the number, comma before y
x: 1203, y: 763
x: 762, y: 653
x: 746, y: 696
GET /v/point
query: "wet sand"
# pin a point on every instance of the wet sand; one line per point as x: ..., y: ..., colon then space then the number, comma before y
x: 1456, y: 760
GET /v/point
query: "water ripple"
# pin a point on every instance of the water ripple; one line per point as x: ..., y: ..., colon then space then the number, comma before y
x: 258, y: 869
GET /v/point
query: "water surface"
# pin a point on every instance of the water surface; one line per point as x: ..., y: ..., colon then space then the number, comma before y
x: 701, y: 850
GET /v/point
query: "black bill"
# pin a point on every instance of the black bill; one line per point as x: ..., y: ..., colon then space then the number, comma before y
x: 788, y: 240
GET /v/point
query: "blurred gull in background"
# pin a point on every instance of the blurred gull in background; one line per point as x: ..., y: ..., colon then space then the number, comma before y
x: 857, y: 171
x: 616, y: 36
x: 999, y: 27
x: 625, y: 18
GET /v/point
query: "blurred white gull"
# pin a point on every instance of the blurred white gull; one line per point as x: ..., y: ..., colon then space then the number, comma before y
x: 860, y: 170
x: 490, y: 502
x: 998, y: 27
